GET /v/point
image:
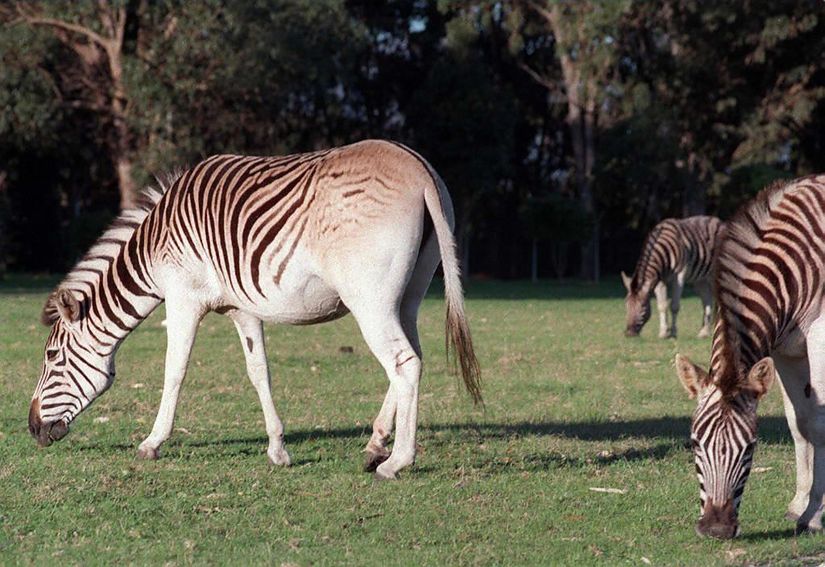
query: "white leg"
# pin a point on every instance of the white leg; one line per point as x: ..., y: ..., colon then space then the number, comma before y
x: 182, y: 320
x: 660, y: 291
x: 811, y: 419
x: 426, y: 264
x: 794, y: 376
x: 705, y: 294
x: 388, y: 342
x: 250, y: 330
x: 676, y: 287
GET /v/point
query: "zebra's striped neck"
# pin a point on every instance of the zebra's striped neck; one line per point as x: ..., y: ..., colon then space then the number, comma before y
x: 736, y: 348
x: 654, y: 263
x: 114, y: 280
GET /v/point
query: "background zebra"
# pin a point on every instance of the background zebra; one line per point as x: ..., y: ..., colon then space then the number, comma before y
x: 769, y: 288
x: 675, y: 252
x: 300, y: 239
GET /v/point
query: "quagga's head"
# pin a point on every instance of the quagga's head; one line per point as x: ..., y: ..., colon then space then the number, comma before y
x: 73, y: 374
x: 723, y: 435
x: 637, y: 306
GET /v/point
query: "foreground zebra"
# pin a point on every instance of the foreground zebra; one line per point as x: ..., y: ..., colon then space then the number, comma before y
x: 675, y: 252
x: 300, y: 239
x: 769, y: 288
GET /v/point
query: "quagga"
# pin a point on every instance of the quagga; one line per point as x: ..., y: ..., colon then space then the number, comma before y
x: 675, y: 252
x: 770, y: 272
x: 300, y: 239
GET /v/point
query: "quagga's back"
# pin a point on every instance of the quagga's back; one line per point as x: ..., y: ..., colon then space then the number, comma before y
x: 675, y: 252
x: 769, y: 288
x: 299, y: 239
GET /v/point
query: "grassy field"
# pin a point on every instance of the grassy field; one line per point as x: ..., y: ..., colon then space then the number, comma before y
x: 571, y: 405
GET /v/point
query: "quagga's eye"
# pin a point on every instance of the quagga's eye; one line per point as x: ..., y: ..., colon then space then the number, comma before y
x: 51, y: 353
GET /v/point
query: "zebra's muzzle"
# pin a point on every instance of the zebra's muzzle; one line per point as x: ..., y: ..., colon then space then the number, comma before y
x: 631, y: 332
x: 45, y: 433
x: 719, y: 522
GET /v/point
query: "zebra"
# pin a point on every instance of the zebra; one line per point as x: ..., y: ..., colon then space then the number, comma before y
x: 300, y: 239
x: 675, y: 252
x: 770, y: 271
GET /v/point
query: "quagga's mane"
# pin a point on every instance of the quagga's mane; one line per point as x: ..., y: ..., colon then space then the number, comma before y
x: 111, y: 242
x: 740, y: 338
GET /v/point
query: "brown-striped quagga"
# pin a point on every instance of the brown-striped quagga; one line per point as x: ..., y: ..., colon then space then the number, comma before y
x: 300, y: 239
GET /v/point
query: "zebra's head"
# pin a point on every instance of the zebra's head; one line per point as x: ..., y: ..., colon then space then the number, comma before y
x: 74, y: 372
x: 637, y: 306
x: 723, y: 436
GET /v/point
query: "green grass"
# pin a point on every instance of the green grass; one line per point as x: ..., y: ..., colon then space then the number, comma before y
x: 571, y: 405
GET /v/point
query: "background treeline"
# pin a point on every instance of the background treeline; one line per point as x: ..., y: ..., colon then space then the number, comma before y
x: 564, y: 130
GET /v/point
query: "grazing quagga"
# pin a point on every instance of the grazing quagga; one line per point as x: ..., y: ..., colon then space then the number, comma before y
x: 676, y: 252
x: 770, y: 273
x: 300, y: 239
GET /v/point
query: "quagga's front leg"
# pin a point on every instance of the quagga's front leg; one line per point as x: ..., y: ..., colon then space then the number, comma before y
x: 182, y: 319
x: 250, y: 330
x: 677, y: 285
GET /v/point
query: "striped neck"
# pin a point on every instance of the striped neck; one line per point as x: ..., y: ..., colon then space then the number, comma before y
x: 654, y: 263
x: 118, y: 294
x: 737, y: 346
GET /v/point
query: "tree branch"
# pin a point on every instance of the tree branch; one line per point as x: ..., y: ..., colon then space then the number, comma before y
x: 69, y: 27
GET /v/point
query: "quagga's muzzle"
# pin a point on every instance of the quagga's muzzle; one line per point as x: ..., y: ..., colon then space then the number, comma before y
x: 45, y: 433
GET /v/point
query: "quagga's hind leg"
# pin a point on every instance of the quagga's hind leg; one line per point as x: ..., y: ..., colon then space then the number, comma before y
x: 794, y: 376
x: 386, y: 339
x: 703, y: 289
x: 660, y: 291
x: 428, y: 259
x: 182, y: 318
x: 250, y: 330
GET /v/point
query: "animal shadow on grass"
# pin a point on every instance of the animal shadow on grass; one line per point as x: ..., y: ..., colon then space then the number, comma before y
x: 671, y: 431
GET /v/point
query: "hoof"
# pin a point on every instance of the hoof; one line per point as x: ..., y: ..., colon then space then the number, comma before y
x: 146, y: 453
x: 373, y: 460
x: 383, y: 476
x: 803, y: 528
x: 703, y: 334
x: 279, y: 458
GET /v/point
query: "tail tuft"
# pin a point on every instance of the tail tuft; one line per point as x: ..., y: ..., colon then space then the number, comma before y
x: 458, y: 335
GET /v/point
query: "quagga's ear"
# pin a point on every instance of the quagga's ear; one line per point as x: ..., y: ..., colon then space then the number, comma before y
x: 692, y: 377
x: 626, y: 280
x: 61, y: 304
x: 760, y: 377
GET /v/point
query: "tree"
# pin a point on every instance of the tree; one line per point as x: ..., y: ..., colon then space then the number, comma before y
x: 95, y: 80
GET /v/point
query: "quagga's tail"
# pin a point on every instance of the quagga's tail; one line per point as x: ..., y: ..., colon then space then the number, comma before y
x: 457, y: 330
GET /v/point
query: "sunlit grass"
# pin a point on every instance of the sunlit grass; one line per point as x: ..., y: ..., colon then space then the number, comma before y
x: 571, y: 405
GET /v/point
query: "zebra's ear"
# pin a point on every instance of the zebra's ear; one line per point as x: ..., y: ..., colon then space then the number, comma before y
x: 693, y: 378
x: 626, y: 280
x: 62, y: 304
x: 760, y: 377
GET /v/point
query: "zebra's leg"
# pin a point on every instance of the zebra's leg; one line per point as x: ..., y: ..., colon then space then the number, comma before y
x: 660, y: 291
x: 704, y: 290
x: 250, y: 330
x: 182, y: 318
x: 811, y: 419
x: 426, y: 264
x: 676, y: 287
x: 793, y: 376
x: 386, y: 338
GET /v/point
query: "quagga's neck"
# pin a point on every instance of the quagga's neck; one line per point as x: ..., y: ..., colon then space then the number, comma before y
x: 114, y: 281
x: 118, y: 294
